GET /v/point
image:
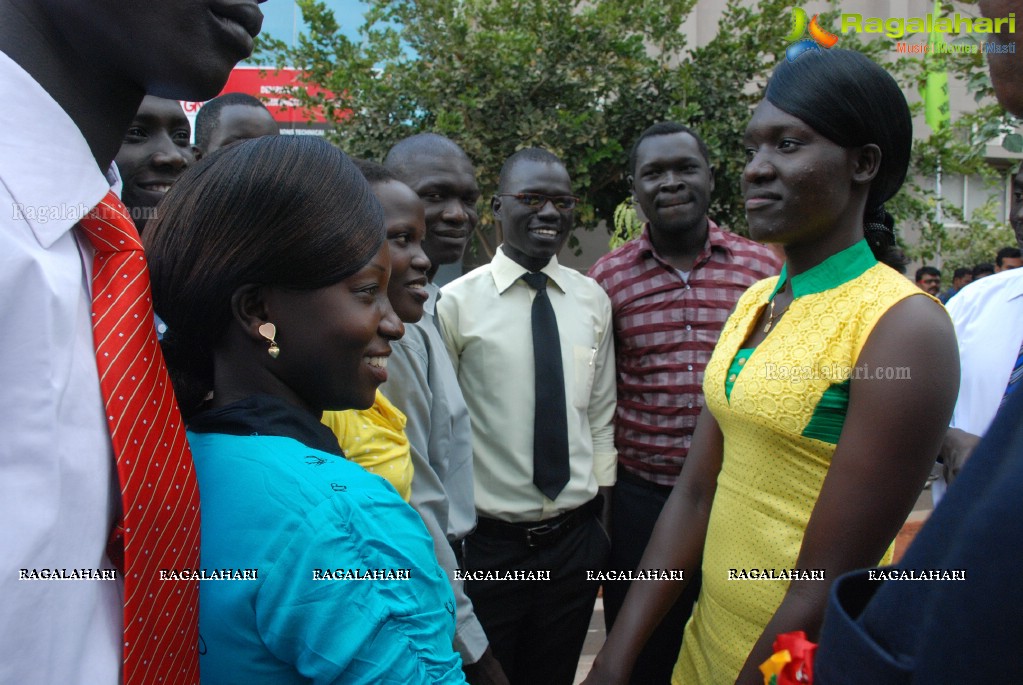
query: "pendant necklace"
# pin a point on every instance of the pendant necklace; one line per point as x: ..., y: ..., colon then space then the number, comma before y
x: 770, y: 313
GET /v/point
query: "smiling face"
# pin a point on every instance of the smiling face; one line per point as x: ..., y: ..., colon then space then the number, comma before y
x: 154, y: 154
x: 532, y: 235
x: 405, y: 223
x: 241, y: 122
x: 672, y: 183
x: 335, y: 341
x: 800, y: 187
x: 446, y: 183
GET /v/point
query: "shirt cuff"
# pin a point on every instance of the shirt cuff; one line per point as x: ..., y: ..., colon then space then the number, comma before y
x: 605, y: 468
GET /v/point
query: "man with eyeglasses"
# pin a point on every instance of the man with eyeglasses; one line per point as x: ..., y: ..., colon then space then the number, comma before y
x: 532, y: 345
x: 671, y: 290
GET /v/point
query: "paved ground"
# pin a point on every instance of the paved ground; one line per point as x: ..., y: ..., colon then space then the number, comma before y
x: 595, y: 637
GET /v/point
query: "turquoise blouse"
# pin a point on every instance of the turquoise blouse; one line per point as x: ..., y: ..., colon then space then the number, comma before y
x: 304, y: 520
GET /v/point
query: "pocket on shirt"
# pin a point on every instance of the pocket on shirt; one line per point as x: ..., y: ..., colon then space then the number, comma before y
x: 584, y: 361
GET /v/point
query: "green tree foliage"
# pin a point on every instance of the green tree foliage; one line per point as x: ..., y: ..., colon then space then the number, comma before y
x: 583, y: 78
x: 945, y: 235
x: 626, y: 224
x: 580, y: 78
x: 942, y: 234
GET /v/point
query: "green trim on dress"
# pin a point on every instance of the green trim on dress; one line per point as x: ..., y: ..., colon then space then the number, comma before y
x: 829, y: 414
x: 738, y: 363
x: 837, y: 269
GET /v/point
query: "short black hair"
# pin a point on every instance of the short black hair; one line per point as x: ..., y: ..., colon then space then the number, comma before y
x: 374, y: 171
x: 208, y: 118
x: 401, y: 154
x: 666, y: 128
x: 962, y: 272
x: 983, y: 269
x: 1007, y: 253
x: 927, y: 271
x: 529, y: 154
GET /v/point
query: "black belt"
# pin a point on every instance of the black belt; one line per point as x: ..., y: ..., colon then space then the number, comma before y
x: 540, y: 533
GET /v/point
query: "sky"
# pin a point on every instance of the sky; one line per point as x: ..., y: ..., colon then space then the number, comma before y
x: 283, y: 20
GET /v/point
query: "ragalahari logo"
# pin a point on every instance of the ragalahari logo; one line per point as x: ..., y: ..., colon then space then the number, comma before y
x: 819, y: 38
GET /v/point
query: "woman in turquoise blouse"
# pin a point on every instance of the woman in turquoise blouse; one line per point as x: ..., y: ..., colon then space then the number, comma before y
x: 269, y: 267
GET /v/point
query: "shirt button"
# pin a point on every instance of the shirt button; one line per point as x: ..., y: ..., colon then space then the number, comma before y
x: 687, y: 286
x: 690, y: 405
x: 689, y: 368
x: 688, y: 327
x: 741, y: 362
x: 731, y: 379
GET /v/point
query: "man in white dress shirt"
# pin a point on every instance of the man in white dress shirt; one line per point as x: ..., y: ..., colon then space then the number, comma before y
x: 988, y: 318
x: 72, y: 75
x: 536, y: 627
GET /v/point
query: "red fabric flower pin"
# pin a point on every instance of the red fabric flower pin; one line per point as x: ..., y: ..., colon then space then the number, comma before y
x: 792, y: 661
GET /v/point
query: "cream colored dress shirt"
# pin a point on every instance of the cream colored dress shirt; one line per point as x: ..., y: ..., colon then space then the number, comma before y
x: 485, y: 320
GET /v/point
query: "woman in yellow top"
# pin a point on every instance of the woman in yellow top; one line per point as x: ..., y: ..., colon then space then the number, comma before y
x: 375, y: 438
x: 827, y: 395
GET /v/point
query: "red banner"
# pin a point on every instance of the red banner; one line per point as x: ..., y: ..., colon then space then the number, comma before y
x: 271, y: 86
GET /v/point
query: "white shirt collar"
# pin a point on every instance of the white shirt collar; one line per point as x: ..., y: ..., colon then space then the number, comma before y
x: 506, y: 271
x: 48, y: 169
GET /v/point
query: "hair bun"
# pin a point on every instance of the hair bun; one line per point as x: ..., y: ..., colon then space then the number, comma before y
x: 879, y: 227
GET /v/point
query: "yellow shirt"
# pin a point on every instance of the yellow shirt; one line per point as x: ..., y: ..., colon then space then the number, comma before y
x: 781, y: 423
x: 375, y: 439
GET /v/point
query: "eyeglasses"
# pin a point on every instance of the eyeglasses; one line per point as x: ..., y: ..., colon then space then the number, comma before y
x: 537, y: 200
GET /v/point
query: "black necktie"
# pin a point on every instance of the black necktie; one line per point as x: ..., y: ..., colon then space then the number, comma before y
x: 550, y: 421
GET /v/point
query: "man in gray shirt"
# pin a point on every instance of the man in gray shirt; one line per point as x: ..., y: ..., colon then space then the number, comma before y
x: 422, y: 383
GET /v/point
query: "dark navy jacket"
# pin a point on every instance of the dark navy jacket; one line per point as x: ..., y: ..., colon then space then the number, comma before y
x: 942, y: 631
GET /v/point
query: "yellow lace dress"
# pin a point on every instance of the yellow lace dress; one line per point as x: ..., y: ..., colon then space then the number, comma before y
x: 781, y: 420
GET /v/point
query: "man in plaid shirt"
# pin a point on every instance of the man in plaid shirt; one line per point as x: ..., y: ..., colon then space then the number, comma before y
x: 671, y: 291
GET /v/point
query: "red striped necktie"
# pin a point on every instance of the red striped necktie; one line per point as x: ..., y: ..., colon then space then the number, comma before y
x: 159, y: 527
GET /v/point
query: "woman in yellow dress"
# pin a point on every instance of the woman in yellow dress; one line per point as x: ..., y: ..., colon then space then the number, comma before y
x: 827, y: 395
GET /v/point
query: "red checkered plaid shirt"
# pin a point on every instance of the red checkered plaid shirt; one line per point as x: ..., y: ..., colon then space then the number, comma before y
x: 665, y: 330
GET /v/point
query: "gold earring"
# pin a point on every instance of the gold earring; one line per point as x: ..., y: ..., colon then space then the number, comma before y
x: 269, y: 331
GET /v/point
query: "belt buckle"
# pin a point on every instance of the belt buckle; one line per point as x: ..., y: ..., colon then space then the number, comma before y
x: 536, y: 535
